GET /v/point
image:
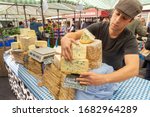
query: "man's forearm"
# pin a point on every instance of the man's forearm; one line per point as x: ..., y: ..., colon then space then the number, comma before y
x: 74, y: 35
x: 122, y: 74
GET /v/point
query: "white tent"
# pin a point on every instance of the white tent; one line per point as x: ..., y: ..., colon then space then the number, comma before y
x: 14, y: 8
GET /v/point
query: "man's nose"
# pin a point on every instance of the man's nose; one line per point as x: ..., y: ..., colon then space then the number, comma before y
x: 118, y: 19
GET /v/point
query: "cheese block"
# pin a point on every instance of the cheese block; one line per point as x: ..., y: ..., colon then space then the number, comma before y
x: 76, y: 66
x: 24, y: 31
x: 87, y: 37
x: 95, y: 64
x: 15, y: 45
x: 57, y: 61
x: 57, y: 49
x: 25, y: 42
x: 41, y: 44
x: 78, y: 51
x: 94, y: 53
x: 19, y: 37
x: 31, y: 33
x: 31, y: 47
x: 94, y: 50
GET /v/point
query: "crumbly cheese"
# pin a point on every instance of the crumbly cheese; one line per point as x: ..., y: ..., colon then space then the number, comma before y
x: 76, y: 66
x: 15, y: 45
x: 87, y: 37
x: 41, y: 44
x: 78, y: 51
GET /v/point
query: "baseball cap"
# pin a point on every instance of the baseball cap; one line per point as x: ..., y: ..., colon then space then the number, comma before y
x: 130, y: 8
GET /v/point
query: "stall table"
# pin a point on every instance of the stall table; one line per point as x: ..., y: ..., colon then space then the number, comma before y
x: 24, y: 85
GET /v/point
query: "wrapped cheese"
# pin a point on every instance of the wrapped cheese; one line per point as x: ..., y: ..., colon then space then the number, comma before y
x: 41, y: 44
x: 87, y: 37
x: 78, y: 51
x: 15, y: 45
x: 76, y: 66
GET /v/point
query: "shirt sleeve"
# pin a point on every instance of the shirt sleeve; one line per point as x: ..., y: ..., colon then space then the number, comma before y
x: 131, y: 46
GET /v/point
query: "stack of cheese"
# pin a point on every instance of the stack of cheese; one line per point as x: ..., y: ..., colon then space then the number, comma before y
x: 53, y: 79
x: 34, y: 67
x: 87, y: 54
x: 28, y: 33
x: 25, y: 42
x: 18, y: 56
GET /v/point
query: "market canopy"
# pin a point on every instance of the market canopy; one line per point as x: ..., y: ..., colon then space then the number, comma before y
x: 13, y: 8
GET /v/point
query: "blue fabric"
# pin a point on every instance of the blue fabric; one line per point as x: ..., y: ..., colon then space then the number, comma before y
x: 133, y: 89
x: 102, y: 92
x: 40, y: 93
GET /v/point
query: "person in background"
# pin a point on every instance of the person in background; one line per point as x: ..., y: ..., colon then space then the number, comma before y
x: 35, y: 26
x: 21, y: 24
x: 148, y: 27
x: 136, y: 27
x: 120, y: 48
x: 147, y: 59
x: 106, y: 19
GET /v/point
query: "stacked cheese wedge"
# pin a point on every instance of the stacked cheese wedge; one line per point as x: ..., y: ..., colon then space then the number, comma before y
x: 87, y: 54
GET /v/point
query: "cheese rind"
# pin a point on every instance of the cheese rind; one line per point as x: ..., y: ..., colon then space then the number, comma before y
x: 94, y: 53
x: 76, y: 66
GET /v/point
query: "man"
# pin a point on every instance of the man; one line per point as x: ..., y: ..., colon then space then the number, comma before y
x: 35, y: 26
x: 119, y: 45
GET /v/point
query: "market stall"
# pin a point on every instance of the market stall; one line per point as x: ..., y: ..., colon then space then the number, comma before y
x: 28, y: 78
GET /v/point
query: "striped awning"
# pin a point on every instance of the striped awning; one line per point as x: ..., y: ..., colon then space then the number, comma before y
x: 101, y: 4
x: 21, y: 1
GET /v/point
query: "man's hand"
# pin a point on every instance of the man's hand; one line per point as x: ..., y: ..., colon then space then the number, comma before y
x: 91, y: 78
x: 66, y: 48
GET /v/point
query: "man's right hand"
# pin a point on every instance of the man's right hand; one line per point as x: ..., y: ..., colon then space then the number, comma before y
x: 66, y: 48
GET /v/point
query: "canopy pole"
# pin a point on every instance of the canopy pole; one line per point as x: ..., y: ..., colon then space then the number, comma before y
x: 17, y: 9
x: 80, y: 21
x: 74, y: 20
x: 58, y: 24
x: 43, y: 19
x: 24, y: 8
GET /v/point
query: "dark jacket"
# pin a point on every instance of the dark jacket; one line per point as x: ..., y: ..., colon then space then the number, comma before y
x: 35, y: 26
x: 147, y: 46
